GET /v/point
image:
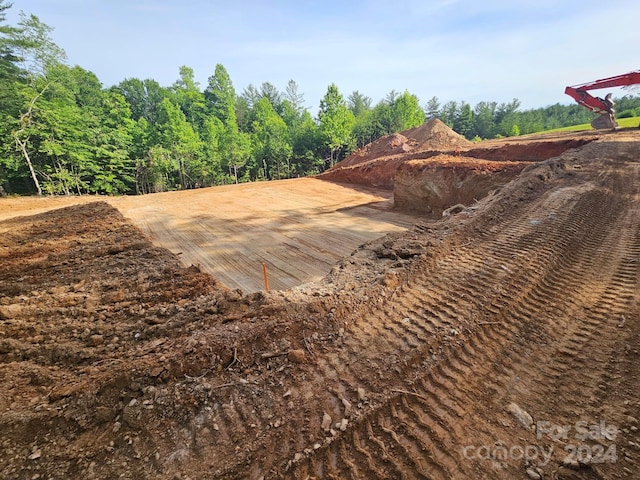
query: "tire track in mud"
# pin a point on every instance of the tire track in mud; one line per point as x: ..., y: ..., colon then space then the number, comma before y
x: 532, y: 282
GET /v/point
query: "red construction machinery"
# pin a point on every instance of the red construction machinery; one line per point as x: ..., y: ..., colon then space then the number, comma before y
x: 602, y: 106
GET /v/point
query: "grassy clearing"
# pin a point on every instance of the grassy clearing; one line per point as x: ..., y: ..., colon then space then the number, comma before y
x: 623, y: 122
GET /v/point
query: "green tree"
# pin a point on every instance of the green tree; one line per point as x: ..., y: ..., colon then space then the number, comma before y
x: 358, y: 103
x: 191, y: 100
x: 183, y: 144
x: 336, y: 122
x: 271, y: 93
x: 271, y: 145
x: 38, y: 55
x: 364, y: 129
x: 484, y: 119
x: 463, y: 122
x: 10, y: 71
x: 221, y: 96
x: 432, y: 108
x: 144, y: 98
x: 114, y: 138
x: 406, y: 112
x: 294, y: 97
x: 11, y: 76
x: 221, y: 101
x: 307, y: 142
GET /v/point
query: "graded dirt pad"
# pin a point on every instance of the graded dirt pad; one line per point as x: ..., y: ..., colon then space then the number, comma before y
x: 500, y: 343
x: 300, y: 228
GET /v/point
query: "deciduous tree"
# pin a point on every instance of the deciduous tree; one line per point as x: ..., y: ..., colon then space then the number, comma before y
x: 336, y: 122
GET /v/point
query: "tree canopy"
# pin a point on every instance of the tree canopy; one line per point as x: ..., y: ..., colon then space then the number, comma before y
x: 63, y: 132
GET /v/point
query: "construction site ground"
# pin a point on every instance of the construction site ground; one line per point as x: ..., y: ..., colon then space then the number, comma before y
x: 300, y: 228
x: 499, y: 343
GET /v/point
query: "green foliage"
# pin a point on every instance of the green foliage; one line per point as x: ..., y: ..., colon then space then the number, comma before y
x: 144, y: 98
x: 336, y: 122
x: 432, y: 108
x: 358, y: 103
x: 406, y: 112
x: 220, y: 96
x: 270, y: 142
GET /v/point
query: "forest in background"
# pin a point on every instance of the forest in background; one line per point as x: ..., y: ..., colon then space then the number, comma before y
x: 63, y: 132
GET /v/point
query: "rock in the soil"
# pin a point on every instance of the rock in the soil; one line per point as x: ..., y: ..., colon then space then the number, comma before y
x: 37, y: 453
x: 533, y: 474
x: 296, y: 356
x: 521, y: 415
x: 571, y: 463
x: 347, y: 407
x: 95, y: 340
x: 7, y: 312
x: 453, y: 210
x: 362, y: 394
x: 326, y: 422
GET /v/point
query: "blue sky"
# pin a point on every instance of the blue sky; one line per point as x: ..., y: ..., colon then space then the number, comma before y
x: 493, y: 50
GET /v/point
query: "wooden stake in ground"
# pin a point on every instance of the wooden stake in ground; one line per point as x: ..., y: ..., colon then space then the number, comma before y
x: 266, y: 277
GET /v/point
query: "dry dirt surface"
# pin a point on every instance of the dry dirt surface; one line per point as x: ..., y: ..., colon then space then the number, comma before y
x: 299, y: 228
x: 498, y: 343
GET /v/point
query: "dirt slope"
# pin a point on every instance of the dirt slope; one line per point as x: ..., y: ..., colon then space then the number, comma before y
x: 376, y: 163
x: 433, y: 185
x: 432, y: 136
x: 483, y: 346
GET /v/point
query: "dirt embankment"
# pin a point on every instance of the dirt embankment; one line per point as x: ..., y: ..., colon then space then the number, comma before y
x: 431, y: 168
x: 433, y: 185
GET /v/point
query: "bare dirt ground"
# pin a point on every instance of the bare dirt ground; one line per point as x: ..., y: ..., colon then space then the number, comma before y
x: 499, y: 343
x: 300, y: 228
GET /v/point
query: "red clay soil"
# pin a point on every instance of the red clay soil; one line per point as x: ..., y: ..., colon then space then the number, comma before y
x: 435, y: 184
x: 375, y: 163
x: 433, y: 135
x: 525, y: 151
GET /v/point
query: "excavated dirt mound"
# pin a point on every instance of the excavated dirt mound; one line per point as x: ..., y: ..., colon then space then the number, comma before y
x: 433, y: 185
x: 433, y: 135
x: 502, y: 343
x: 376, y: 163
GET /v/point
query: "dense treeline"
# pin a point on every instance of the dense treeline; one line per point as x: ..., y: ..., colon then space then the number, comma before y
x: 62, y: 132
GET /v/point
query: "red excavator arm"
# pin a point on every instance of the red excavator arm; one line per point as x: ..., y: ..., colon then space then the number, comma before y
x: 603, y: 106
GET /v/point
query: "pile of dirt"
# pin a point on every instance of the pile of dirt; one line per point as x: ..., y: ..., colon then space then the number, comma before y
x: 435, y: 135
x: 389, y: 145
x: 375, y: 164
x: 433, y: 185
